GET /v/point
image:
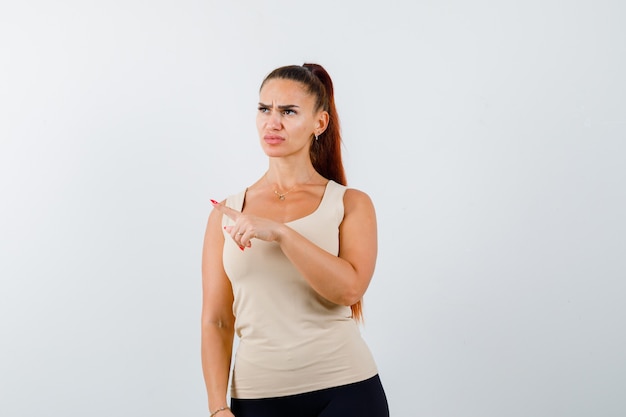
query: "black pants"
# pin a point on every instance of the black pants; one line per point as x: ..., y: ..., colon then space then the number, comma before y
x: 361, y: 399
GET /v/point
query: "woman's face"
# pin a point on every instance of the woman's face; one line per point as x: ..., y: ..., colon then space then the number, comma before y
x: 287, y: 118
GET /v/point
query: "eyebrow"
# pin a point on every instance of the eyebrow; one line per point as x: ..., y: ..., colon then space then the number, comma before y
x: 280, y: 107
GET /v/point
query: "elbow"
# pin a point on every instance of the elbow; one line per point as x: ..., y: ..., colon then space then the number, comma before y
x: 221, y: 324
x: 352, y: 289
x: 351, y: 296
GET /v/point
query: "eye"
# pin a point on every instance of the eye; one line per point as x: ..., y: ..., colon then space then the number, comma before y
x: 289, y: 112
x: 263, y: 109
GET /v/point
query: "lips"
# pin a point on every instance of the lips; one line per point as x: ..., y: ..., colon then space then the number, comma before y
x: 273, y: 139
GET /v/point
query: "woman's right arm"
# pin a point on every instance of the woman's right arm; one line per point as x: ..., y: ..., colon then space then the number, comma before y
x: 218, y: 320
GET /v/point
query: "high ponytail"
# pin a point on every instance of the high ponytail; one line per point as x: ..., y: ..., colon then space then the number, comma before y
x: 325, y: 151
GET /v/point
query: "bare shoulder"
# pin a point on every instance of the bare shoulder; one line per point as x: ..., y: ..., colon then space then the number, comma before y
x: 215, y: 215
x: 357, y: 200
x: 214, y: 222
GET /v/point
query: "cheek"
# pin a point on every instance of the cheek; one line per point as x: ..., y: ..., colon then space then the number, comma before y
x: 306, y: 128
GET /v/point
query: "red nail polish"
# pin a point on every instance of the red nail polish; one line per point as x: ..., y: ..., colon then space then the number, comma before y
x: 214, y: 202
x: 242, y: 248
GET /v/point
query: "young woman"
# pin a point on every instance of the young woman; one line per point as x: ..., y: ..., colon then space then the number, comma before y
x: 285, y: 265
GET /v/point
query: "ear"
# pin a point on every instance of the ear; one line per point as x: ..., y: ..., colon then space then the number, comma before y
x: 321, y: 123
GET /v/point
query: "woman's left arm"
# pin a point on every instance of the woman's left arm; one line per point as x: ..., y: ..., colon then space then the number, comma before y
x: 341, y: 279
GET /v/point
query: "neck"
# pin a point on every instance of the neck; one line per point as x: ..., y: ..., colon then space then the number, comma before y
x: 285, y: 176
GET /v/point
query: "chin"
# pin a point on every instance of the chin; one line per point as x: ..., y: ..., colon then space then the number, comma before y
x: 272, y: 151
x: 271, y: 154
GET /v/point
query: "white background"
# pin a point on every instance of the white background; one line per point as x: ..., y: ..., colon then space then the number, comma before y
x: 490, y: 135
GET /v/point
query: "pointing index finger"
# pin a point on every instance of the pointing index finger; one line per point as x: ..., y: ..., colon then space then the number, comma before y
x: 229, y: 212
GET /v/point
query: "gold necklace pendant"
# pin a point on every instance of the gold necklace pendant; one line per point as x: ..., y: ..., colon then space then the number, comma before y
x: 281, y: 196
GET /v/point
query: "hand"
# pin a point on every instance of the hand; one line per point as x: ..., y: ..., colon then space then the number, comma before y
x: 248, y: 227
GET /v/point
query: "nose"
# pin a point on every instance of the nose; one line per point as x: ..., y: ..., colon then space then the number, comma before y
x: 273, y: 120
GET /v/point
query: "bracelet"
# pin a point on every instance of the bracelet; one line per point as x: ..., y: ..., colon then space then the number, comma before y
x: 218, y: 410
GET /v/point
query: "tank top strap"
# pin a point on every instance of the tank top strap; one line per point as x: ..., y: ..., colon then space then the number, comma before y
x: 335, y: 191
x: 332, y: 202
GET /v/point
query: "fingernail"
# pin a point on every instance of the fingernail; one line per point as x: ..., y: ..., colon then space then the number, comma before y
x: 214, y: 202
x: 241, y: 247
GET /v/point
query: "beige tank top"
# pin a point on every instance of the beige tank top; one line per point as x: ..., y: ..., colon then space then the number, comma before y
x: 291, y: 339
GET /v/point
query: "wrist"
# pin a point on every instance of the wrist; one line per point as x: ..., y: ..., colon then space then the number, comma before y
x: 281, y: 232
x: 218, y: 410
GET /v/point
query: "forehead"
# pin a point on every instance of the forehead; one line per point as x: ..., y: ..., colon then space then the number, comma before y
x: 284, y: 91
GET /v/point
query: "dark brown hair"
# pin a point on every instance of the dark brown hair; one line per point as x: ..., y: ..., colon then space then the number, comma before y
x: 325, y: 152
